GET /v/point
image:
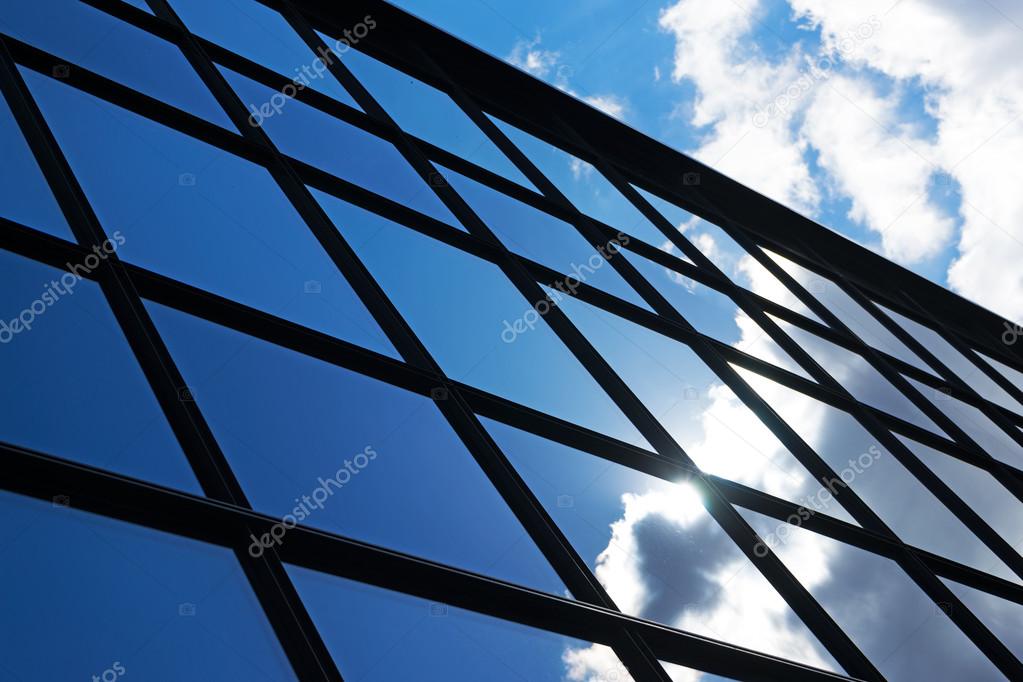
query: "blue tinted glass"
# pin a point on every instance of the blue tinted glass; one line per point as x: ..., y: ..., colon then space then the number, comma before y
x: 261, y: 34
x: 656, y: 550
x: 971, y: 375
x: 976, y: 424
x: 344, y: 150
x: 862, y: 323
x: 201, y: 215
x: 1002, y: 510
x: 101, y: 599
x: 343, y: 452
x: 71, y: 385
x: 905, y: 634
x: 112, y: 48
x: 714, y: 314
x: 877, y: 477
x: 24, y: 195
x: 376, y: 635
x: 858, y: 377
x: 430, y: 114
x: 542, y: 237
x: 475, y: 323
x: 705, y: 417
x: 751, y: 274
x: 584, y: 186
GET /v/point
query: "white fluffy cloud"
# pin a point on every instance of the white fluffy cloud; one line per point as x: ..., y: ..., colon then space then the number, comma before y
x: 548, y: 65
x: 966, y: 57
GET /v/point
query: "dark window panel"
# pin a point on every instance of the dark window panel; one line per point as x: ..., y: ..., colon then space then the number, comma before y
x: 24, y: 195
x: 906, y: 635
x: 97, y: 41
x: 339, y: 451
x: 262, y: 35
x: 542, y: 237
x: 877, y: 477
x: 198, y: 214
x: 94, y: 595
x: 344, y: 150
x: 657, y: 551
x: 71, y: 384
x: 479, y: 328
x: 428, y: 113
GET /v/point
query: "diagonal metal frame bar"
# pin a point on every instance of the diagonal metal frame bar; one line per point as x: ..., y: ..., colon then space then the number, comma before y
x: 292, y: 336
x: 274, y: 590
x: 434, y: 152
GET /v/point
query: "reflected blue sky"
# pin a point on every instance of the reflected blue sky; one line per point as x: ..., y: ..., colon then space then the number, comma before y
x: 287, y: 423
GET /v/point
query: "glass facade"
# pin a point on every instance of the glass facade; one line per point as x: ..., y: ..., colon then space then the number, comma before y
x: 321, y: 364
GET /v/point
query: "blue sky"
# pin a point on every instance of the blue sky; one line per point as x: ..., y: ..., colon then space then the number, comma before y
x: 193, y: 212
x: 908, y: 169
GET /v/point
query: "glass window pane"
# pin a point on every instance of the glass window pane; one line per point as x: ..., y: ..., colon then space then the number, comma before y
x: 905, y: 634
x: 430, y: 114
x: 71, y: 387
x: 343, y: 452
x: 714, y: 314
x: 542, y: 237
x: 584, y: 186
x: 751, y: 274
x: 858, y: 377
x: 377, y: 635
x: 101, y: 599
x: 113, y: 48
x: 657, y: 551
x: 1002, y: 510
x: 861, y: 322
x: 971, y: 375
x: 344, y: 150
x: 977, y: 426
x: 877, y: 477
x: 705, y: 417
x: 1001, y: 616
x: 475, y: 323
x: 1013, y: 375
x: 262, y: 35
x: 24, y: 195
x: 198, y: 214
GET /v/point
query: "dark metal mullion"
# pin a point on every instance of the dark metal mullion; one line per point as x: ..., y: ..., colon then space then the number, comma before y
x: 802, y: 603
x: 529, y: 511
x: 141, y: 503
x: 289, y: 335
x: 977, y: 631
x: 512, y: 488
x: 964, y: 512
x: 266, y: 576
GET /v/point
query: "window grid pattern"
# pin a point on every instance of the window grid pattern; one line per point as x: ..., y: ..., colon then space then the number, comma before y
x: 227, y: 518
